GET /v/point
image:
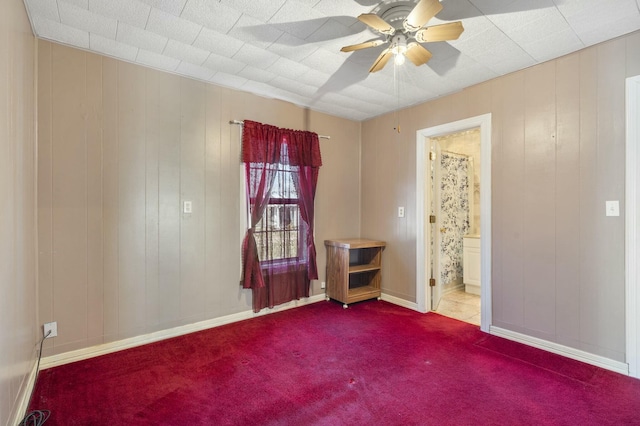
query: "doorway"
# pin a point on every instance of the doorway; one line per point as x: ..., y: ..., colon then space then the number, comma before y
x: 454, y: 168
x: 632, y: 228
x: 423, y: 201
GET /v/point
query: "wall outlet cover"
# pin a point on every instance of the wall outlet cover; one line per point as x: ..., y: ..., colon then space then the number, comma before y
x: 51, y: 327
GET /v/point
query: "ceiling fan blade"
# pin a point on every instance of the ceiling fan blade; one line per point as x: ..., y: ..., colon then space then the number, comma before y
x: 365, y: 45
x: 421, y: 14
x: 444, y: 32
x: 377, y: 23
x: 417, y: 54
x: 381, y: 61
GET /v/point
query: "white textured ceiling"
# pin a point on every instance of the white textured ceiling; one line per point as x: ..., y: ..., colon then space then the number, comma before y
x: 290, y: 49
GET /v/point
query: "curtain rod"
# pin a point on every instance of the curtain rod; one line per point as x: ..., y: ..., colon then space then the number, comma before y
x: 240, y: 123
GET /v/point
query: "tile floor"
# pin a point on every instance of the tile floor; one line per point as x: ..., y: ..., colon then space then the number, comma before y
x: 460, y: 305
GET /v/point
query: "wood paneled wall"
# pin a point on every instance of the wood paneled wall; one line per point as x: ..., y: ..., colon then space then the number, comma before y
x: 557, y: 156
x: 120, y: 148
x: 19, y: 333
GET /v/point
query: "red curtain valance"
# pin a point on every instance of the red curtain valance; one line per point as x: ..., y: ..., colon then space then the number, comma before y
x: 303, y: 147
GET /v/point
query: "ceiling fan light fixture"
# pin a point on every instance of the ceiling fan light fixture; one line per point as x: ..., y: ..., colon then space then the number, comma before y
x: 399, y: 44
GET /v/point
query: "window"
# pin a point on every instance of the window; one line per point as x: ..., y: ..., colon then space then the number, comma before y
x: 280, y: 233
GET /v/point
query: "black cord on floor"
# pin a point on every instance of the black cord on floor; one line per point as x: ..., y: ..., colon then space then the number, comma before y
x: 36, y: 417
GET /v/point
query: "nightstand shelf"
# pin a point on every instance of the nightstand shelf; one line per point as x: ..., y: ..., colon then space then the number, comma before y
x: 354, y: 269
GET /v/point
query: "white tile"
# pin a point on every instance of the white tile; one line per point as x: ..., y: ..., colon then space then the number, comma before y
x: 261, y: 9
x: 130, y: 11
x: 112, y: 48
x: 345, y: 12
x: 293, y: 86
x: 173, y: 7
x: 255, y: 56
x: 138, y: 37
x: 228, y: 80
x: 288, y: 68
x: 155, y: 60
x: 222, y: 63
x: 325, y: 61
x: 211, y: 13
x: 171, y: 26
x: 79, y: 3
x: 195, y: 71
x: 218, y: 43
x: 256, y: 74
x: 86, y: 20
x: 255, y: 32
x: 45, y: 9
x: 185, y: 52
x: 292, y: 47
x: 297, y: 19
x: 61, y: 33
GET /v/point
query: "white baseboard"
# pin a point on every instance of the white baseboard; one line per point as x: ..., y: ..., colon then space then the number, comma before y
x: 586, y: 357
x: 106, y: 348
x: 399, y: 302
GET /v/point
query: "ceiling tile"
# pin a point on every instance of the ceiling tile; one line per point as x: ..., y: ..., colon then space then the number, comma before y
x: 297, y: 19
x: 211, y: 13
x: 288, y: 68
x: 224, y: 64
x: 196, y: 71
x: 138, y: 37
x: 86, y: 20
x: 173, y: 7
x: 185, y: 52
x: 45, y: 9
x: 214, y: 41
x: 255, y: 56
x: 79, y: 3
x: 61, y: 33
x: 171, y: 26
x: 256, y: 74
x: 130, y: 11
x: 292, y: 47
x: 345, y: 12
x: 260, y: 9
x: 155, y: 60
x: 112, y: 48
x: 228, y: 80
x: 255, y: 32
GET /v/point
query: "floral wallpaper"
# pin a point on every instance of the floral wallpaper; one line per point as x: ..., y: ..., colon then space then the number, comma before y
x: 454, y: 213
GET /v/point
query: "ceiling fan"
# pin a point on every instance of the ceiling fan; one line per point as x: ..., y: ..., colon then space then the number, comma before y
x: 403, y: 25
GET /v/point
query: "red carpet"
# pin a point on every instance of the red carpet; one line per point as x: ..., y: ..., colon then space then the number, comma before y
x: 374, y: 363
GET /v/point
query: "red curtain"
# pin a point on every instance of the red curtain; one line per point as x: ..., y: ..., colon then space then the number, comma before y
x: 267, y: 151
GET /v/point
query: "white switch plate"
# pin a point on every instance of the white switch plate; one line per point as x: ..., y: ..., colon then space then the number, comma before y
x: 613, y: 208
x: 187, y: 207
x: 400, y: 211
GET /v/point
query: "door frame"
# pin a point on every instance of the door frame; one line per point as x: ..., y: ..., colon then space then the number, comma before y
x: 632, y: 232
x: 423, y: 230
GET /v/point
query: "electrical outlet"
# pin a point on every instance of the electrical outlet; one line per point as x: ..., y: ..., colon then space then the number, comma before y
x: 400, y: 211
x: 51, y: 327
x: 323, y: 285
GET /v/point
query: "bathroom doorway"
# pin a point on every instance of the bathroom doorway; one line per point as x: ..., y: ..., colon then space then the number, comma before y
x: 455, y: 171
x: 424, y: 228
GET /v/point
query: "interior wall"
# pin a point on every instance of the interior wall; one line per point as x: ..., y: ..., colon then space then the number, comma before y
x: 558, y: 154
x: 18, y: 334
x: 120, y: 148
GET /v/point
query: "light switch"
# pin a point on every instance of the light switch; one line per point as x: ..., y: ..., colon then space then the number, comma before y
x: 187, y: 207
x: 400, y: 211
x: 613, y: 208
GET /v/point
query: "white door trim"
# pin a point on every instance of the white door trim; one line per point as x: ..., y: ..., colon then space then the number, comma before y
x: 632, y: 233
x: 423, y: 236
